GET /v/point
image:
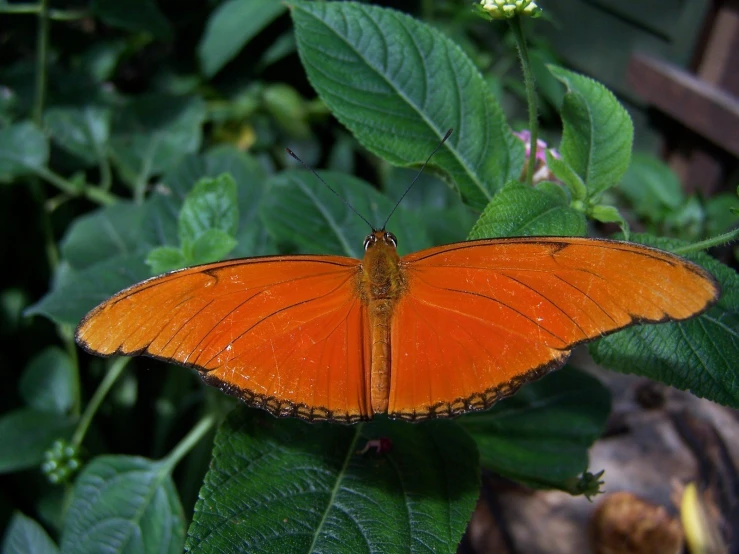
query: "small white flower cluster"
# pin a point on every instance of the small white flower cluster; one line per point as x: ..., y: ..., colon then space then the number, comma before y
x: 505, y: 9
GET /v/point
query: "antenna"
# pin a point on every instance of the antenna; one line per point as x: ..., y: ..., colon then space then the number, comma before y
x: 305, y: 165
x: 446, y: 136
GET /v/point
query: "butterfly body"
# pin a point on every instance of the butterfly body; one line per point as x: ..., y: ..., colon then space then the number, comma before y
x: 383, y: 283
x: 432, y: 334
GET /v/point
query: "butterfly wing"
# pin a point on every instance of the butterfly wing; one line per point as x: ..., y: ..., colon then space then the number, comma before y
x: 481, y: 318
x: 283, y: 333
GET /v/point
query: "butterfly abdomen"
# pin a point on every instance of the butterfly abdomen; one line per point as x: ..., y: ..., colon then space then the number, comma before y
x: 382, y: 284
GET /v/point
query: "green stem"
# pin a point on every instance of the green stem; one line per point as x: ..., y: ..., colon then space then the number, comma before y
x: 56, y: 15
x: 95, y: 194
x: 528, y: 77
x: 52, y: 254
x: 427, y: 10
x: 106, y: 176
x: 102, y: 197
x: 42, y: 47
x: 116, y: 368
x: 71, y: 348
x: 190, y: 440
x: 708, y: 243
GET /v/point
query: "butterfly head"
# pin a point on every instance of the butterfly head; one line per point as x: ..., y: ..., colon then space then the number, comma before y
x: 380, y: 237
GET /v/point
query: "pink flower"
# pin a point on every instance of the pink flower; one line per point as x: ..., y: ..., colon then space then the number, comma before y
x: 542, y: 173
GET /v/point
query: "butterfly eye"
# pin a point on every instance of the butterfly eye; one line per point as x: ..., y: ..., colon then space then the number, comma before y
x: 368, y: 241
x: 389, y: 237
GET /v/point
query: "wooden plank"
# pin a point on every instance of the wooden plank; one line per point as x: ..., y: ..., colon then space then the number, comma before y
x: 700, y: 106
x: 720, y: 58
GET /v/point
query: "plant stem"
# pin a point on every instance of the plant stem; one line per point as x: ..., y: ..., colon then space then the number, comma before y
x: 106, y: 176
x: 52, y: 254
x: 427, y: 10
x: 42, y: 46
x: 116, y: 368
x: 91, y: 193
x: 71, y: 347
x: 528, y: 77
x: 708, y: 243
x: 190, y: 440
x: 57, y: 15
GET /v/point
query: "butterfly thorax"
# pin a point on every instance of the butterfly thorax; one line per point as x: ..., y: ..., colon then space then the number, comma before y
x: 381, y: 284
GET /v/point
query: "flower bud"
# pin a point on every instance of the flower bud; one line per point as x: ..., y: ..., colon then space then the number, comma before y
x: 506, y: 9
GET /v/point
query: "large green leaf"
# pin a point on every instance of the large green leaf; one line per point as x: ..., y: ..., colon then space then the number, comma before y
x: 522, y: 211
x: 211, y: 204
x: 75, y: 292
x: 230, y: 27
x: 541, y: 435
x: 698, y: 355
x: 124, y: 504
x: 26, y: 536
x: 81, y: 131
x: 399, y: 84
x: 23, y: 150
x: 250, y: 181
x: 105, y: 251
x: 287, y: 486
x: 133, y: 15
x: 300, y: 210
x: 597, y: 134
x: 27, y: 433
x: 153, y: 132
x: 48, y: 383
x: 105, y: 233
x: 653, y: 189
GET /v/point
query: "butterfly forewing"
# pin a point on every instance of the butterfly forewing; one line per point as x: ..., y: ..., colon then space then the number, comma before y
x: 483, y: 317
x: 286, y: 333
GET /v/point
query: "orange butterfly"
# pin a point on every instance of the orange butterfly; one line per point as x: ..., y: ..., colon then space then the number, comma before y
x: 433, y: 334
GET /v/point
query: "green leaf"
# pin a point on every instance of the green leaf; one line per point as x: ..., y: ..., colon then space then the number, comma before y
x: 153, y: 132
x: 76, y: 292
x: 698, y: 355
x: 287, y: 108
x: 211, y: 246
x: 105, y: 233
x: 597, y: 132
x: 211, y: 204
x: 107, y: 249
x: 567, y: 175
x: 445, y: 219
x: 721, y: 211
x: 300, y: 210
x: 81, y: 131
x: 165, y: 258
x: 521, y: 211
x: 100, y: 60
x: 609, y: 214
x: 541, y: 436
x: 651, y: 187
x: 287, y: 486
x: 26, y: 536
x: 133, y: 15
x: 48, y: 382
x: 23, y: 150
x: 124, y: 504
x: 283, y: 46
x: 399, y: 84
x: 26, y: 434
x: 250, y: 186
x: 231, y: 25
